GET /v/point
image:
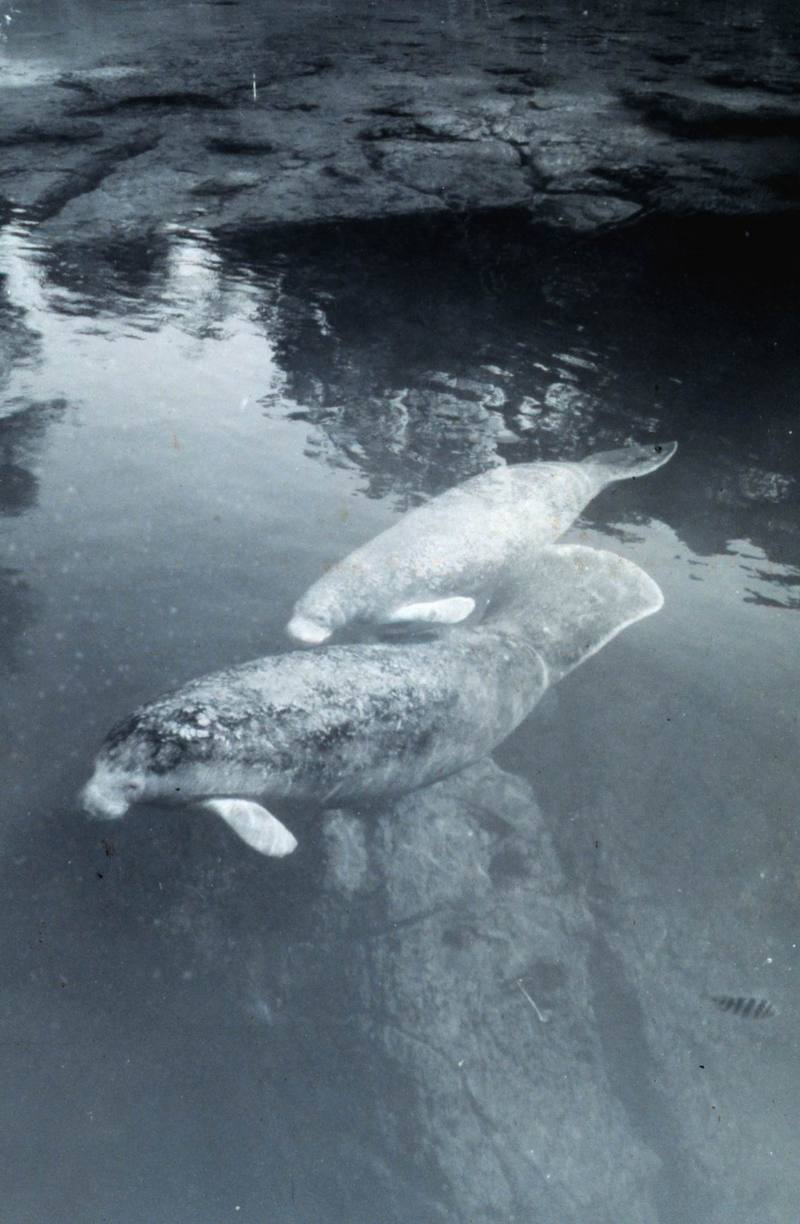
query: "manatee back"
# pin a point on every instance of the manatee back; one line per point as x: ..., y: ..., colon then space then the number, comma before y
x: 344, y: 722
x: 457, y: 544
x: 441, y: 547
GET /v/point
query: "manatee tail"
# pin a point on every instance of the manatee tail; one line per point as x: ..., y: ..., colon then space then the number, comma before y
x: 573, y: 601
x: 631, y: 461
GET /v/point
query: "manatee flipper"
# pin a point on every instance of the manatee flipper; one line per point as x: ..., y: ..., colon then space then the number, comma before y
x: 631, y: 461
x: 435, y: 611
x: 575, y: 600
x: 254, y: 824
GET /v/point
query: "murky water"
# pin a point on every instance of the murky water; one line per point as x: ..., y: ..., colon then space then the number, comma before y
x: 501, y: 1005
x: 491, y: 1001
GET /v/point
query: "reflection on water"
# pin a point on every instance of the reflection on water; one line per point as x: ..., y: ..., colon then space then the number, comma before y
x: 542, y: 359
x: 467, y: 1006
x: 21, y: 433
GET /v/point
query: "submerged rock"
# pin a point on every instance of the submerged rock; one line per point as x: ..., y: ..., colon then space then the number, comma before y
x: 580, y: 211
x: 463, y: 973
x: 366, y: 121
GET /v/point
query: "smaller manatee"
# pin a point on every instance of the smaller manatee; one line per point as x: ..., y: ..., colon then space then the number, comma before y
x: 365, y: 721
x: 440, y: 560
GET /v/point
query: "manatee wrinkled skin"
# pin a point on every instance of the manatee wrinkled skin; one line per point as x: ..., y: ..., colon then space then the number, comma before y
x: 346, y: 723
x: 367, y: 720
x: 448, y: 555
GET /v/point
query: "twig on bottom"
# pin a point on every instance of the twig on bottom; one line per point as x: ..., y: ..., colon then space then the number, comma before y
x: 541, y: 1016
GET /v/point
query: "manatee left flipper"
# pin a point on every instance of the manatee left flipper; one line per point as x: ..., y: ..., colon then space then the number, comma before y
x: 435, y: 611
x: 254, y: 824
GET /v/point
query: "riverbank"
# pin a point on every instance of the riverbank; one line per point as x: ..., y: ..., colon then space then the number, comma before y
x: 229, y: 115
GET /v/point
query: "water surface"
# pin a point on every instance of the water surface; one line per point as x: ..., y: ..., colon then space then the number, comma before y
x: 192, y: 430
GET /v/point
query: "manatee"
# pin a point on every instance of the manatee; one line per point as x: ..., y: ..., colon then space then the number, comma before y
x: 366, y: 720
x: 444, y: 558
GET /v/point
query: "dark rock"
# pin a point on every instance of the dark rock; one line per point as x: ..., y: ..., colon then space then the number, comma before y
x: 220, y: 144
x: 786, y: 186
x: 584, y: 212
x: 743, y: 80
x: 59, y: 132
x: 157, y: 101
x: 90, y: 174
x: 229, y: 184
x: 456, y: 173
x: 701, y: 120
x: 670, y: 59
x: 466, y: 1015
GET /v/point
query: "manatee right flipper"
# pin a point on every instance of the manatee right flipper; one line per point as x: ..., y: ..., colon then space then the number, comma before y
x: 450, y: 611
x: 254, y: 824
x: 575, y: 600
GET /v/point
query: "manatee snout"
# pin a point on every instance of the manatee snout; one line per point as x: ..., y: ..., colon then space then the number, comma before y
x: 106, y: 797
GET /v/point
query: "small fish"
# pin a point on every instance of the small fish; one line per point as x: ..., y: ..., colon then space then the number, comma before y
x: 739, y: 1005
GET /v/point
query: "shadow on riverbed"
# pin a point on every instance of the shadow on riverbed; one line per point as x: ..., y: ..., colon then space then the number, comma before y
x: 426, y: 1030
x: 421, y: 1010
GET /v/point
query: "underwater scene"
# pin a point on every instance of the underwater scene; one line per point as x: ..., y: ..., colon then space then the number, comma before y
x: 500, y: 981
x: 493, y: 963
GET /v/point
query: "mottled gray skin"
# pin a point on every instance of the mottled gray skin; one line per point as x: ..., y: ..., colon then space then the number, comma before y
x: 363, y: 721
x: 346, y: 723
x: 462, y: 542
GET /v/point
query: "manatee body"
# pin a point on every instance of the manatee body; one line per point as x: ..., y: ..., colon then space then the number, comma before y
x: 363, y: 721
x: 440, y: 559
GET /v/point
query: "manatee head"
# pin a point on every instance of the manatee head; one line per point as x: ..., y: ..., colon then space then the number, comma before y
x: 130, y: 761
x: 110, y: 792
x: 178, y: 750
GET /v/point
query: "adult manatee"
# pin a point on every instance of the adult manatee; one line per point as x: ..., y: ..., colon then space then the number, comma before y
x: 364, y: 721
